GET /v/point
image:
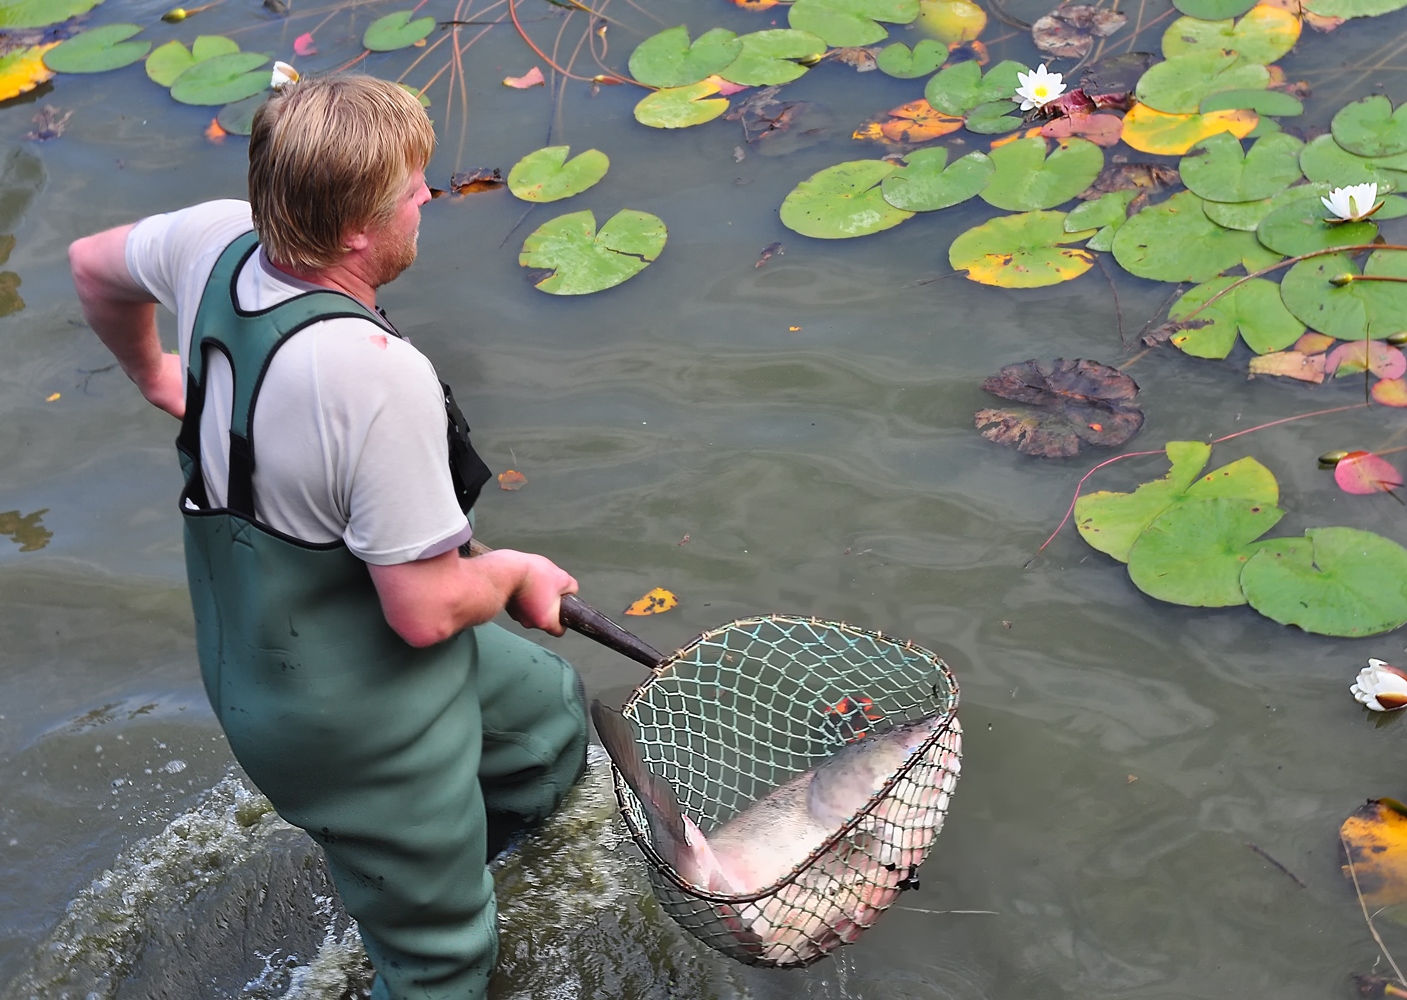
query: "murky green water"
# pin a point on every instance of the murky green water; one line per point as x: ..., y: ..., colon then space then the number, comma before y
x: 807, y: 425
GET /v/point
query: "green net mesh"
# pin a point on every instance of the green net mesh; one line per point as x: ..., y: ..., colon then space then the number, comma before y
x: 748, y: 706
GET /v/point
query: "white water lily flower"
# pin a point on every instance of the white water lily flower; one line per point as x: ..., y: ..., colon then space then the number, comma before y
x: 1039, y: 88
x: 1350, y: 204
x: 283, y: 74
x: 1381, y: 686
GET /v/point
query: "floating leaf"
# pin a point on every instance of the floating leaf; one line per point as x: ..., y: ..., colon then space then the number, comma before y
x: 1020, y: 251
x: 842, y: 201
x: 1376, y: 838
x: 585, y: 261
x: 898, y: 60
x: 1193, y: 553
x: 917, y: 122
x: 532, y: 78
x: 1364, y: 473
x: 396, y: 31
x: 850, y: 22
x: 1152, y: 131
x: 1390, y: 392
x: 951, y: 22
x: 680, y: 107
x: 1027, y: 179
x: 1289, y: 364
x: 1102, y: 130
x: 928, y: 182
x: 222, y: 80
x: 1106, y: 213
x: 1357, y: 356
x: 1371, y: 127
x: 1352, y: 310
x: 169, y: 61
x: 1300, y: 228
x: 39, y: 13
x: 97, y: 50
x: 768, y: 57
x: 1247, y: 215
x: 1115, y: 76
x: 238, y: 118
x: 304, y: 45
x: 1333, y: 581
x: 669, y: 60
x: 1178, y: 85
x: 1219, y: 170
x: 27, y: 530
x: 1346, y: 9
x: 1069, y: 32
x: 1262, y: 102
x: 1064, y: 403
x: 1323, y: 159
x: 547, y: 175
x: 653, y: 603
x: 1214, y: 10
x: 23, y: 70
x: 957, y: 89
x: 512, y: 480
x: 1175, y: 241
x: 1136, y: 177
x: 1262, y: 36
x: 993, y: 118
x: 1253, y: 309
x: 1314, y: 343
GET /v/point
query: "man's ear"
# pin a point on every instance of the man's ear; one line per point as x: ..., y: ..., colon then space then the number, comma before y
x: 356, y: 241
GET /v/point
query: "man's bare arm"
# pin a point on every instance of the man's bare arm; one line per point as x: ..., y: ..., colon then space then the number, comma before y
x: 123, y: 315
x: 429, y: 600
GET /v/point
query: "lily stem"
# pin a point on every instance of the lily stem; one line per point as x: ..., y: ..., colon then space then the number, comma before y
x: 1355, y: 248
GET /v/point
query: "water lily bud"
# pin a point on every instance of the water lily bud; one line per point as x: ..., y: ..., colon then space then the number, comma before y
x: 1339, y: 280
x: 174, y: 14
x: 1397, y: 339
x: 1381, y: 686
x: 1331, y: 458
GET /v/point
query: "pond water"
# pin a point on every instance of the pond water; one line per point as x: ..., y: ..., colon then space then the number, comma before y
x: 807, y: 426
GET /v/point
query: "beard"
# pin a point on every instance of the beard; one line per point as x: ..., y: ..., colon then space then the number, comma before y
x: 391, y: 256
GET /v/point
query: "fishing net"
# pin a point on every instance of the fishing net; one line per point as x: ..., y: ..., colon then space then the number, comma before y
x: 747, y: 706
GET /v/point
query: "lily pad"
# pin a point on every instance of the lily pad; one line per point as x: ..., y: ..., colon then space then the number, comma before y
x: 1214, y: 10
x: 1151, y: 131
x: 668, y: 60
x: 951, y: 21
x: 238, y: 118
x: 222, y: 80
x: 1027, y: 179
x: 1299, y: 228
x: 993, y: 118
x: 585, y: 261
x: 1219, y: 170
x: 850, y: 22
x: 97, y: 50
x: 1355, y: 356
x: 1346, y: 9
x: 547, y: 175
x: 1175, y: 241
x: 396, y: 31
x: 169, y: 61
x: 1265, y: 34
x: 1351, y: 311
x: 1178, y: 85
x: 1253, y: 309
x: 1369, y: 127
x: 898, y: 60
x: 957, y: 89
x: 1020, y: 251
x: 680, y: 107
x: 1107, y: 213
x: 1194, y: 553
x: 1262, y: 102
x: 1247, y: 215
x: 842, y: 201
x: 1069, y: 31
x: 928, y: 182
x: 1323, y: 159
x: 1333, y: 581
x: 1062, y: 405
x: 769, y: 57
x: 39, y: 13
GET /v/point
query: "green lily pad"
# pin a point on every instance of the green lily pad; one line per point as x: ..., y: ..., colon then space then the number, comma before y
x: 1262, y: 102
x: 1020, y: 251
x: 850, y: 22
x: 39, y: 13
x: 1111, y: 522
x: 238, y: 118
x: 1027, y: 179
x: 680, y: 107
x: 1299, y: 228
x: 1354, y: 8
x: 1359, y: 309
x: 396, y: 31
x: 957, y: 89
x: 1175, y: 241
x: 1178, y: 85
x: 842, y: 201
x: 169, y: 61
x: 1217, y: 169
x: 1107, y: 213
x: 222, y: 80
x: 1265, y: 34
x: 768, y: 57
x: 668, y: 60
x: 1247, y: 215
x: 585, y: 261
x: 1214, y: 10
x: 547, y: 175
x: 1371, y: 127
x: 97, y: 50
x: 1254, y: 309
x: 898, y: 60
x: 1333, y: 581
x: 1194, y: 553
x: 993, y: 118
x: 1323, y: 159
x: 928, y: 183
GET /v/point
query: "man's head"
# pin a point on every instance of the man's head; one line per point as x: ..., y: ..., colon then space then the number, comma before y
x: 330, y: 158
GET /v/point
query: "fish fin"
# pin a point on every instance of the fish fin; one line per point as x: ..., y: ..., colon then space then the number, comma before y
x: 666, y: 818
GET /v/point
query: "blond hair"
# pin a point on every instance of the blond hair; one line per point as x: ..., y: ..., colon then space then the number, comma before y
x: 329, y: 157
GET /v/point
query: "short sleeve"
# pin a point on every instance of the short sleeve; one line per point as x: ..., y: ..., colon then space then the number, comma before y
x: 165, y: 253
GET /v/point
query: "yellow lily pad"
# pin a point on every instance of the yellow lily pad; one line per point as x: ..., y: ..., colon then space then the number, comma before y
x: 1150, y: 131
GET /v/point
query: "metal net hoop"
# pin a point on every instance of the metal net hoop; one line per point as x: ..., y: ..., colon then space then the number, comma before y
x: 745, y: 707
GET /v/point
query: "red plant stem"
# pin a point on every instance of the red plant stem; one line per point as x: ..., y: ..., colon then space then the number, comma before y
x: 1293, y: 260
x: 513, y: 13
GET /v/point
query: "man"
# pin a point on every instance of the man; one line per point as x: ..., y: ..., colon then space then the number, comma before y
x: 341, y: 635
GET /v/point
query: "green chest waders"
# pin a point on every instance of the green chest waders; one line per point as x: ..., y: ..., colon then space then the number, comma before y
x: 396, y: 759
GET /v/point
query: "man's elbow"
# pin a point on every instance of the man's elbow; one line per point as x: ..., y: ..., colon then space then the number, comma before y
x: 419, y: 629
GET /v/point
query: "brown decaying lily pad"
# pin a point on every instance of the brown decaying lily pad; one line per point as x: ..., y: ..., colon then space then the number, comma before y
x: 1129, y: 177
x: 476, y: 181
x: 1069, y: 32
x: 1066, y: 404
x: 1114, y: 77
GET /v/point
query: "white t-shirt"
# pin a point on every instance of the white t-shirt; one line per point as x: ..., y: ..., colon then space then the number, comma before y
x: 349, y: 427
